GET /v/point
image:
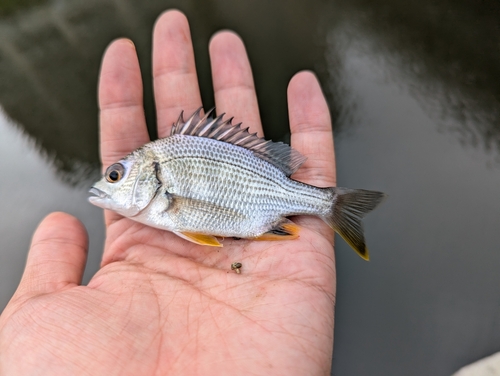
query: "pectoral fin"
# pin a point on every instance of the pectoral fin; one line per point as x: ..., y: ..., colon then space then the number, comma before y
x: 286, y: 230
x: 201, y: 239
x: 186, y: 206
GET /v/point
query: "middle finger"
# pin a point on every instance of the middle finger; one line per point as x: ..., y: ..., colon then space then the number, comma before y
x: 174, y: 71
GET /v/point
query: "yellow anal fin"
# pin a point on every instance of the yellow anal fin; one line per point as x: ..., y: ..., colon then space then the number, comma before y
x: 200, y: 239
x: 284, y: 231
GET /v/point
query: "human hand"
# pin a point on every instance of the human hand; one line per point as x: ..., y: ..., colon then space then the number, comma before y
x: 160, y: 304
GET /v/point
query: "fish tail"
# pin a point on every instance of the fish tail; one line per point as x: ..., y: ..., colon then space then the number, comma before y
x: 349, y: 206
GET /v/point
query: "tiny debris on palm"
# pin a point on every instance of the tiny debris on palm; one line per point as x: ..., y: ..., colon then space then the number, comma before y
x: 236, y: 266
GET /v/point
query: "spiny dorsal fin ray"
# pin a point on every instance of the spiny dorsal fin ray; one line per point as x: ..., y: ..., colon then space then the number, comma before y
x: 279, y: 154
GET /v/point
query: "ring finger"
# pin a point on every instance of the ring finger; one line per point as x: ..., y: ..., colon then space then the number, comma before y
x: 233, y: 81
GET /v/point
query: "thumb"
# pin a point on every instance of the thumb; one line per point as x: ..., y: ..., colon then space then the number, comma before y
x: 57, y: 255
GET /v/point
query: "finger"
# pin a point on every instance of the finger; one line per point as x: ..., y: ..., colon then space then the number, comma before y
x: 57, y: 255
x: 311, y: 130
x: 233, y: 81
x: 174, y: 71
x: 122, y: 121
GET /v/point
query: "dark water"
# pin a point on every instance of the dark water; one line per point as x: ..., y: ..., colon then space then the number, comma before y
x: 414, y: 91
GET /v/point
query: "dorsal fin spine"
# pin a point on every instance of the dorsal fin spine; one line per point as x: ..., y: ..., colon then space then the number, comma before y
x: 242, y: 140
x: 180, y: 120
x: 217, y: 129
x: 278, y: 154
x: 210, y: 125
x: 202, y: 121
x: 256, y: 143
x: 230, y: 132
x: 178, y: 123
x: 186, y: 129
x: 186, y: 125
x: 223, y: 134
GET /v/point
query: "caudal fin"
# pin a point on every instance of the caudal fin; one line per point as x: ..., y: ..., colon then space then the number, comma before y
x: 348, y: 208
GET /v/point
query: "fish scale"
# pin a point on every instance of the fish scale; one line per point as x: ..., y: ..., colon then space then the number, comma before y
x: 212, y: 178
x: 230, y: 176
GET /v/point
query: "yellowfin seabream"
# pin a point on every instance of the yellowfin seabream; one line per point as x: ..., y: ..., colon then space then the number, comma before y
x: 211, y: 179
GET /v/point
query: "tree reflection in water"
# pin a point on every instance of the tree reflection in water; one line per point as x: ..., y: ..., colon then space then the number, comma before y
x: 50, y: 56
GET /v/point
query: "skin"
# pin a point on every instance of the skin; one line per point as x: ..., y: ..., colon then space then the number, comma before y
x: 160, y: 304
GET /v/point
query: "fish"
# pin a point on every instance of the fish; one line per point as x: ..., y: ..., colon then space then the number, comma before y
x: 213, y: 179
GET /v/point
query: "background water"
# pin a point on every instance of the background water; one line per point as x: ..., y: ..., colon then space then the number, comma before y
x: 414, y: 92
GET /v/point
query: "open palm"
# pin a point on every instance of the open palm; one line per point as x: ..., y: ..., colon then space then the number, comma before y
x: 162, y: 305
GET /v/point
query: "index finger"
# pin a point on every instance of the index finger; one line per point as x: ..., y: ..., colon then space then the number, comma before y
x: 122, y: 121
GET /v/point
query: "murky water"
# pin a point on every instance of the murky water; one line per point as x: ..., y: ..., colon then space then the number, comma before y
x: 414, y: 92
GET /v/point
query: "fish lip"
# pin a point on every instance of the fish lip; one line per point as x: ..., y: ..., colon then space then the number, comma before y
x: 97, y: 192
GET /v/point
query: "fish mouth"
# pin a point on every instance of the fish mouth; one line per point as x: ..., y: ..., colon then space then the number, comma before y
x: 99, y: 198
x: 97, y: 193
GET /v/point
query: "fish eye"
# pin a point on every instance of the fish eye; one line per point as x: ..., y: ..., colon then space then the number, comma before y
x: 114, y: 172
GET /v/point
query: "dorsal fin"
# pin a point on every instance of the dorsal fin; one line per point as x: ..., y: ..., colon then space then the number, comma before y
x: 278, y: 154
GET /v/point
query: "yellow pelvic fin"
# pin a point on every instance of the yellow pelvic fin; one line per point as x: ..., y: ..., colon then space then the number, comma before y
x: 201, y: 239
x: 284, y: 231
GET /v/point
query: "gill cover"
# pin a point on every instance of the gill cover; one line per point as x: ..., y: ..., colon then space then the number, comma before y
x: 145, y: 187
x: 131, y: 190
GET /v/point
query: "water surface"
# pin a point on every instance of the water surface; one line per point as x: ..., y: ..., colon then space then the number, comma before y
x: 414, y: 93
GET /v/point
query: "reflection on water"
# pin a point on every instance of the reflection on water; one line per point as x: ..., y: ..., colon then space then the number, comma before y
x: 446, y: 53
x: 428, y: 302
x: 30, y: 190
x: 50, y: 57
x: 409, y: 83
x: 8, y: 7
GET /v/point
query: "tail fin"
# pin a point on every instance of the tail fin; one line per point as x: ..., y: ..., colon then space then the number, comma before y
x: 348, y: 208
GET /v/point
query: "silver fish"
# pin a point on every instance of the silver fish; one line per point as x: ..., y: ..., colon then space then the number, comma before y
x: 212, y: 178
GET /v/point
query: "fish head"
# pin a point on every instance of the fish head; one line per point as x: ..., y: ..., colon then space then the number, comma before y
x: 128, y: 186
